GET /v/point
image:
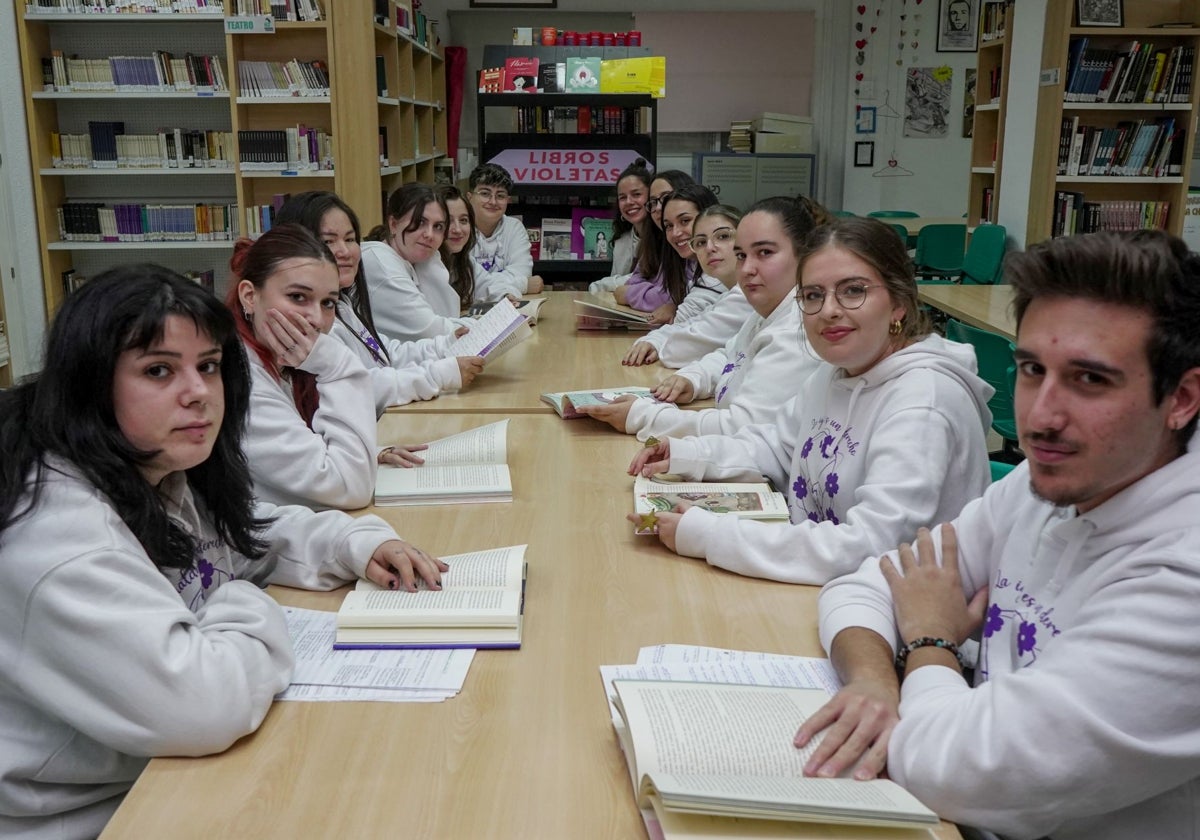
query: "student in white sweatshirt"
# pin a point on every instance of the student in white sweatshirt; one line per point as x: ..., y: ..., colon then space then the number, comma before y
x: 401, y: 371
x: 762, y: 366
x: 411, y: 295
x: 713, y: 233
x: 460, y: 240
x: 502, y: 259
x: 630, y: 217
x: 310, y: 438
x: 886, y: 436
x: 1078, y: 572
x: 132, y: 623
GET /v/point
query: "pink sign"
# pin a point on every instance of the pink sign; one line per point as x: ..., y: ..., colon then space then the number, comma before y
x: 565, y: 166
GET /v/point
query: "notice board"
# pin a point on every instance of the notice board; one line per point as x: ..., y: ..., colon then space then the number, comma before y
x: 741, y: 180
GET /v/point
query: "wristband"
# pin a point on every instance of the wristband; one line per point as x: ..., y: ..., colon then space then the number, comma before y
x: 927, y: 641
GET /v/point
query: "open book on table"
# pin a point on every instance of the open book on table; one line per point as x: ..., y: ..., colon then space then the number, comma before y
x: 481, y: 605
x: 602, y: 312
x: 498, y: 331
x: 565, y: 402
x: 529, y: 307
x: 747, y: 500
x: 471, y: 466
x: 726, y: 751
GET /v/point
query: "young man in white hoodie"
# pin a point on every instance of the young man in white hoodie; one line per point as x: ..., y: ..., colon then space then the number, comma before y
x: 501, y: 257
x: 1080, y: 567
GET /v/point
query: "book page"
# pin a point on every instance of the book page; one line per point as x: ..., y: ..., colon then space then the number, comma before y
x: 467, y: 479
x: 453, y: 607
x: 481, y: 445
x: 497, y: 567
x: 519, y: 333
x: 497, y: 323
x: 606, y: 304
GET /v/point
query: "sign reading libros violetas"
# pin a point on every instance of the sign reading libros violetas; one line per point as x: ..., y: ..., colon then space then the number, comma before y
x: 565, y: 166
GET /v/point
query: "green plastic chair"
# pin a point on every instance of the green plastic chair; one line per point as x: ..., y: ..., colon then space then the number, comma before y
x: 893, y: 214
x: 983, y: 262
x: 994, y: 357
x: 902, y: 232
x: 1000, y: 469
x: 940, y: 251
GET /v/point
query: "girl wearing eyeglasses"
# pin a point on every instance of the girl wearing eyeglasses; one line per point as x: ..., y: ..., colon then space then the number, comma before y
x: 759, y: 368
x: 887, y: 437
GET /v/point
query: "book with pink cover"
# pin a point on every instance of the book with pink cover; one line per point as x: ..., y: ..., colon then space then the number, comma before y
x: 520, y: 75
x: 591, y: 233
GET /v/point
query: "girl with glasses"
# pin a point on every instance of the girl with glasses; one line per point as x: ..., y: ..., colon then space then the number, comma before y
x: 503, y: 262
x: 646, y: 289
x: 631, y: 216
x: 132, y: 553
x: 758, y: 369
x: 885, y: 437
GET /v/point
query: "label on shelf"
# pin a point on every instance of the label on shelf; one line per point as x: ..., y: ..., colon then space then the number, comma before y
x: 250, y: 25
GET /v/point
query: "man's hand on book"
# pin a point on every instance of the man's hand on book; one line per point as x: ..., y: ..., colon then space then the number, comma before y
x: 468, y: 368
x: 397, y: 564
x: 614, y: 413
x: 641, y: 353
x: 675, y: 389
x: 857, y: 722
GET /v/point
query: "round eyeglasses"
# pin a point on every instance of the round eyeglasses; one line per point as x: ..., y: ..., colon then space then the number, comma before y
x: 850, y: 294
x: 720, y: 236
x: 489, y: 197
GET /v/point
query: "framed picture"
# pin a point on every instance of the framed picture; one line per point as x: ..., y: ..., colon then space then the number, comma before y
x: 958, y: 25
x: 514, y: 4
x: 1100, y: 13
x: 864, y: 120
x: 864, y: 153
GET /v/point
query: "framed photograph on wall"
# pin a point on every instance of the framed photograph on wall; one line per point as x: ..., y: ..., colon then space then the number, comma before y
x: 1100, y: 12
x: 958, y: 25
x: 864, y: 153
x: 864, y: 120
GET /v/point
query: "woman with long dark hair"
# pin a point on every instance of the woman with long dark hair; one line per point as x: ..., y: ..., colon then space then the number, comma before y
x: 132, y: 622
x: 459, y: 242
x: 631, y: 216
x: 646, y: 288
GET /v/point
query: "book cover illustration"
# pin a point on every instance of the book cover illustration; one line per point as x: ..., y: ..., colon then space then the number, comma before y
x: 520, y: 75
x: 718, y: 502
x: 556, y: 239
x: 591, y: 233
x: 583, y: 74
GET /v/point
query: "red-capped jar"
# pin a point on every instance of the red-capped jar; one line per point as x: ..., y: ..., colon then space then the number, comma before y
x: 609, y: 40
x: 595, y: 39
x: 620, y: 39
x: 571, y: 38
x: 634, y: 39
x: 549, y: 36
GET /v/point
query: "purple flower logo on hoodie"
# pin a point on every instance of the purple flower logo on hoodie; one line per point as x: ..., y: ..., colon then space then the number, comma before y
x: 206, y: 573
x: 807, y: 448
x: 831, y: 484
x: 800, y: 487
x: 1026, y: 637
x: 819, y: 471
x: 994, y: 622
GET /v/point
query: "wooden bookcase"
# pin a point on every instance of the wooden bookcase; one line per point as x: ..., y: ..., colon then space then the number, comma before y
x: 987, y: 137
x: 1140, y: 19
x: 347, y: 41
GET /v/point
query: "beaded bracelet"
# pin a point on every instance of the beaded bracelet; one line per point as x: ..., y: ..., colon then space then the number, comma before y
x: 927, y: 641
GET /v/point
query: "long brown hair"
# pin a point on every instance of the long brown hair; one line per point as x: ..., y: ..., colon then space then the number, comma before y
x: 650, y: 248
x: 256, y: 261
x: 462, y: 273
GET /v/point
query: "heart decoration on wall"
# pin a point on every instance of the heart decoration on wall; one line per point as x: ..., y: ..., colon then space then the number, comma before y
x: 861, y: 42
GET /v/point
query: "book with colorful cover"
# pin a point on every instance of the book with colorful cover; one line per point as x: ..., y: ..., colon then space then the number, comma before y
x: 556, y: 239
x: 591, y: 233
x: 583, y: 74
x: 520, y: 74
x: 566, y: 403
x: 748, y: 500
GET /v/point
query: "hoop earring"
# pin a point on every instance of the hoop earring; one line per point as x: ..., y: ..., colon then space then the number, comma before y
x: 895, y: 328
x: 247, y: 316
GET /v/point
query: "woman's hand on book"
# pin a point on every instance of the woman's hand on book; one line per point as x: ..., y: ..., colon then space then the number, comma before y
x: 614, y: 413
x: 641, y: 353
x: 675, y: 389
x: 652, y: 460
x: 402, y: 456
x: 468, y: 368
x: 397, y: 564
x: 664, y: 314
x: 666, y: 523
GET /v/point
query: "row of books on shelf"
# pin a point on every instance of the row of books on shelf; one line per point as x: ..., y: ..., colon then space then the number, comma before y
x: 1074, y: 214
x: 159, y: 72
x: 272, y: 79
x: 169, y: 148
x: 578, y: 74
x: 987, y: 206
x: 1132, y: 72
x: 281, y: 9
x: 995, y: 80
x: 993, y: 20
x: 581, y: 119
x: 72, y: 279
x: 295, y: 148
x: 96, y: 222
x: 123, y: 7
x: 1133, y: 148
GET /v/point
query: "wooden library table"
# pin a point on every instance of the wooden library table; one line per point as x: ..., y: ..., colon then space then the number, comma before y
x: 527, y: 749
x: 986, y: 307
x: 557, y: 358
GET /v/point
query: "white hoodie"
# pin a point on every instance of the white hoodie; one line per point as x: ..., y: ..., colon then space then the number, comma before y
x: 331, y: 465
x: 1085, y: 723
x: 704, y: 292
x: 410, y: 302
x: 863, y: 460
x: 108, y: 661
x: 411, y: 370
x: 679, y: 344
x: 761, y: 368
x: 503, y: 263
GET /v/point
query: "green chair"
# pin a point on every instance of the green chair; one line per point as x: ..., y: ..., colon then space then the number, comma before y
x: 844, y: 214
x: 1000, y: 469
x: 902, y: 232
x: 940, y: 250
x: 893, y: 214
x: 994, y: 357
x: 984, y: 259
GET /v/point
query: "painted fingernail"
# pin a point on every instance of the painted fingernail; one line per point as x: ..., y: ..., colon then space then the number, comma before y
x: 393, y: 584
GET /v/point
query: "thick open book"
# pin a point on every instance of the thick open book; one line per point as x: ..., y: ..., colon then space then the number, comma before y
x: 749, y: 501
x: 498, y: 331
x: 470, y: 466
x: 602, y: 312
x: 529, y: 307
x: 480, y: 606
x: 565, y: 402
x: 726, y: 751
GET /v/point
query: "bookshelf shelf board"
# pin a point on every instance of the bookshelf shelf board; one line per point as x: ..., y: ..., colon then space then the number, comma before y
x: 626, y: 99
x: 285, y: 25
x: 209, y: 18
x: 984, y: 170
x: 1116, y: 179
x: 386, y: 100
x: 138, y: 246
x: 129, y: 94
x: 384, y: 29
x: 87, y: 172
x: 1127, y: 32
x: 426, y: 103
x: 287, y: 173
x: 987, y: 106
x: 407, y: 37
x: 992, y: 42
x: 1127, y: 106
x: 283, y: 100
x: 385, y: 171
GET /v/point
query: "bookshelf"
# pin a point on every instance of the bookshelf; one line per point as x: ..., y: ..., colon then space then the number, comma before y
x: 1141, y: 197
x: 987, y: 136
x: 346, y: 44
